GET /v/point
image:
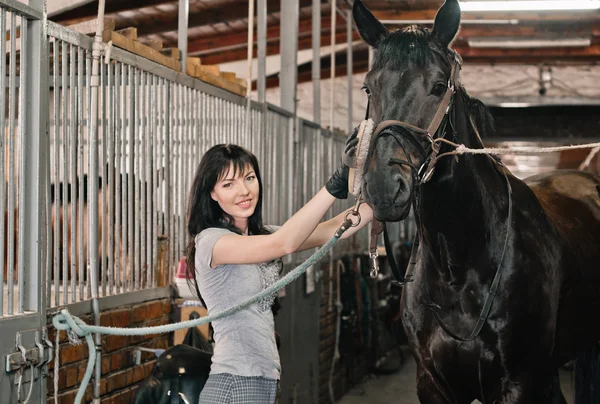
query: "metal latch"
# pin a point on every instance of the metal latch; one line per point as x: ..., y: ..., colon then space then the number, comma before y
x: 23, y: 357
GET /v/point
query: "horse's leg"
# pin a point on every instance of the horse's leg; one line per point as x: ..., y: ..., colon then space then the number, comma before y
x: 428, y: 390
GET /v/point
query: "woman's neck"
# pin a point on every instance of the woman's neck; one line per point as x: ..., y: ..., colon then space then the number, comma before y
x: 241, y: 225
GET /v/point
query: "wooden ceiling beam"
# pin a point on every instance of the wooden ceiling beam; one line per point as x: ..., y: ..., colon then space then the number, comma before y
x: 304, y: 42
x: 230, y: 11
x: 204, y: 44
x: 90, y: 10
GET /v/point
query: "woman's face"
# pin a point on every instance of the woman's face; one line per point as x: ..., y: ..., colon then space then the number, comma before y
x: 237, y: 195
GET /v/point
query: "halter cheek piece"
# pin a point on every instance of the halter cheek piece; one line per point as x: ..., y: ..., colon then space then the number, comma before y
x: 422, y: 174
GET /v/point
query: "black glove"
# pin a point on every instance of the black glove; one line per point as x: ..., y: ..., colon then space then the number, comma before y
x: 338, y: 183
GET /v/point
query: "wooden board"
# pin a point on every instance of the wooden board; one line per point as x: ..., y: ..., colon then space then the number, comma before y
x: 129, y: 32
x: 140, y: 49
x: 218, y: 81
x: 89, y: 27
x: 171, y: 52
x: 155, y: 44
x: 185, y: 312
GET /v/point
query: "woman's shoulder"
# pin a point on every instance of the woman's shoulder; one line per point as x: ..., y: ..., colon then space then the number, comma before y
x: 210, y: 234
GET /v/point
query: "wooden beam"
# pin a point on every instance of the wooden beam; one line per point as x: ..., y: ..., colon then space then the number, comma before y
x: 229, y: 11
x: 89, y: 27
x: 241, y: 37
x: 304, y: 42
x: 112, y: 6
x: 140, y: 49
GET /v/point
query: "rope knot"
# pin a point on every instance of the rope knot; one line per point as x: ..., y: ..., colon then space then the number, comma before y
x: 461, y: 149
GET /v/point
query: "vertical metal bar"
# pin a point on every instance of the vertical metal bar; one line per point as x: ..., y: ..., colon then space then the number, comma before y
x: 135, y: 177
x: 11, y: 163
x: 180, y: 184
x: 56, y: 220
x: 167, y: 154
x: 78, y: 235
x: 3, y: 74
x: 23, y: 168
x: 316, y: 59
x: 289, y: 54
x: 119, y: 121
x: 124, y: 273
x: 261, y: 26
x: 130, y: 173
x: 110, y: 187
x: 332, y: 67
x: 182, y: 32
x: 72, y: 177
x: 154, y: 181
x: 349, y: 68
x: 65, y: 164
x: 102, y: 189
x: 141, y: 179
x: 85, y: 239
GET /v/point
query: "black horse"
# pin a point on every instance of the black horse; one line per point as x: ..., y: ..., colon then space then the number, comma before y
x: 507, y: 282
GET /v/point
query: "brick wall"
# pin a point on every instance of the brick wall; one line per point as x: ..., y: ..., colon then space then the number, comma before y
x: 349, y: 368
x: 120, y: 375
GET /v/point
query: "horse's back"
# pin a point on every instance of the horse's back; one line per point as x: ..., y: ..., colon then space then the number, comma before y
x: 571, y: 199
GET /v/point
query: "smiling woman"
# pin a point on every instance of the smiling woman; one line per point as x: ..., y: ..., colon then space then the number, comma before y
x: 233, y: 257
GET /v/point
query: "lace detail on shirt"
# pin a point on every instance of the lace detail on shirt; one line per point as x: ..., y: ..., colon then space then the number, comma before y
x: 269, y: 274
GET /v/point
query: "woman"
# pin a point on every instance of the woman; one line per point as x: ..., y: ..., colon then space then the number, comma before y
x: 234, y: 256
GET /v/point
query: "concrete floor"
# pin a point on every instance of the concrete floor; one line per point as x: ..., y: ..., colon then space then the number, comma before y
x: 400, y: 388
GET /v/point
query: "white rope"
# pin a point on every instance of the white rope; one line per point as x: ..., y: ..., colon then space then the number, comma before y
x: 462, y: 149
x: 586, y: 163
x: 56, y: 365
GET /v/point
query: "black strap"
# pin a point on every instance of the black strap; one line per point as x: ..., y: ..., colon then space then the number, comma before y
x: 485, y: 311
x: 398, y: 274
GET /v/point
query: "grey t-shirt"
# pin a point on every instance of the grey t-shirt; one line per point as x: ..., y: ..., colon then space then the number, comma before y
x: 245, y: 341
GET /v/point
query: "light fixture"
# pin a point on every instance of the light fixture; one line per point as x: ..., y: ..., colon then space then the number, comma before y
x: 529, y: 43
x: 530, y: 5
x: 511, y: 21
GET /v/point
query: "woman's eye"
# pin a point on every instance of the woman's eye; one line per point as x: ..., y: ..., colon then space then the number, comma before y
x: 439, y: 89
x: 250, y: 178
x: 227, y: 185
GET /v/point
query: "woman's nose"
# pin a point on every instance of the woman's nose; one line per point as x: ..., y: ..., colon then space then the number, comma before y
x: 244, y: 189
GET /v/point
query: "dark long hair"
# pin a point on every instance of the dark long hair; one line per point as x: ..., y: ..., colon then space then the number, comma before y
x: 204, y: 212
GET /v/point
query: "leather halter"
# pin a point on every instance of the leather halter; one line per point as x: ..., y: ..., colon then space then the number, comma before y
x: 422, y: 175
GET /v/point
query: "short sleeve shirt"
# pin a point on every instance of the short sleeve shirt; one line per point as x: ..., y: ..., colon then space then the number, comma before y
x: 245, y: 341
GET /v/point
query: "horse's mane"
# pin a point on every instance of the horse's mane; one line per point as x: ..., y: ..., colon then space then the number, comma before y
x: 413, y: 45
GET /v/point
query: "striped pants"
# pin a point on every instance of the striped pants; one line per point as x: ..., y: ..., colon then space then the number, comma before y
x: 225, y: 388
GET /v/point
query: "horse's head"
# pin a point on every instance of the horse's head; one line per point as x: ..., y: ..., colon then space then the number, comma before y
x: 411, y: 78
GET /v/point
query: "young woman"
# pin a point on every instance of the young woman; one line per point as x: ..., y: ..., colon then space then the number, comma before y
x: 234, y: 256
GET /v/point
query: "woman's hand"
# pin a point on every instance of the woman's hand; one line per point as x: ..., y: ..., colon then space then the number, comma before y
x: 338, y: 183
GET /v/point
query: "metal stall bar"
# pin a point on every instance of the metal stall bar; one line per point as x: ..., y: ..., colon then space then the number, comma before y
x: 11, y: 163
x: 110, y: 187
x: 3, y: 74
x: 73, y: 171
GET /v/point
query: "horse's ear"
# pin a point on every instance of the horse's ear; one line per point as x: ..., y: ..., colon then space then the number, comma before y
x: 447, y: 22
x: 369, y: 27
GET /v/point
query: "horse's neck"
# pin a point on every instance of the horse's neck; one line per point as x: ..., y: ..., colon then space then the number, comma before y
x: 459, y: 207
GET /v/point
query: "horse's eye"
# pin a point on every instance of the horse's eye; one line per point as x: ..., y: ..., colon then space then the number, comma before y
x: 439, y: 89
x: 366, y: 90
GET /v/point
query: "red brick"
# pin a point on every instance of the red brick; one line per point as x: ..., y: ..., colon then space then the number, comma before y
x: 155, y: 310
x: 114, y: 342
x: 71, y: 375
x: 105, y: 364
x: 72, y: 353
x: 117, y: 318
x: 139, y: 314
